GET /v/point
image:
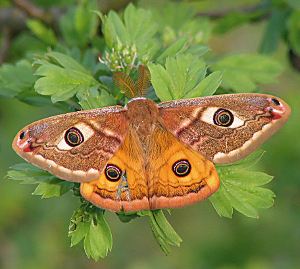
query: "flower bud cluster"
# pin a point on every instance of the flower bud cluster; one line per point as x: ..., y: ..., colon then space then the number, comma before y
x: 120, y: 57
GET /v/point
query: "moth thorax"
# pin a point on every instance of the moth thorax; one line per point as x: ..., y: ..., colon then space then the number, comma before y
x: 143, y: 115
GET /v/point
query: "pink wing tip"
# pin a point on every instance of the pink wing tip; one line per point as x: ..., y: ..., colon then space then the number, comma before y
x: 278, y: 109
x: 23, y: 142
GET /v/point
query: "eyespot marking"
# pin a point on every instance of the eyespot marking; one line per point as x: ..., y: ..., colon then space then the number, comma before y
x: 73, y: 137
x: 81, y: 132
x: 22, y: 135
x: 113, y: 173
x: 223, y: 117
x: 275, y: 101
x: 181, y: 168
x: 212, y: 114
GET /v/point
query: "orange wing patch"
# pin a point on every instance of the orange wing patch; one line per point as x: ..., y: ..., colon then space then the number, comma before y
x: 122, y: 186
x: 171, y: 175
x: 179, y: 176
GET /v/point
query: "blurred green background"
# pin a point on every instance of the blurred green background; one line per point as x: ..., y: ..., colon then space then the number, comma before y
x: 33, y: 231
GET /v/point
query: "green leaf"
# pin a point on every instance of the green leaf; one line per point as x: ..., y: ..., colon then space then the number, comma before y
x: 79, y: 25
x: 88, y: 223
x: 199, y: 50
x: 98, y: 240
x: 66, y: 62
x: 243, y: 71
x: 197, y: 29
x: 79, y: 233
x: 221, y: 203
x: 183, y: 70
x: 90, y: 62
x: 62, y: 77
x: 175, y: 48
x: 108, y: 83
x: 49, y: 185
x: 241, y: 189
x: 53, y: 187
x: 163, y: 232
x: 25, y: 44
x: 141, y: 26
x: 16, y: 78
x: 247, y: 162
x: 170, y: 235
x: 245, y: 178
x: 161, y: 81
x: 137, y: 27
x: 166, y: 13
x: 207, y: 86
x: 28, y: 173
x: 80, y: 223
x: 126, y: 217
x: 114, y: 29
x: 293, y: 23
x: 40, y: 30
x: 273, y: 32
x: 95, y: 98
x: 174, y: 25
x: 31, y: 97
x: 183, y: 77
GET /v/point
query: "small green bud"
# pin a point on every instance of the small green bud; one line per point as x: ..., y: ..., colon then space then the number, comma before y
x: 126, y: 51
x: 133, y: 49
x: 145, y: 59
x: 118, y: 46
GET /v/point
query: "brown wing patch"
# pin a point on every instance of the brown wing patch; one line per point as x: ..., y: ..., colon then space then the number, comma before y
x: 256, y: 118
x: 43, y: 142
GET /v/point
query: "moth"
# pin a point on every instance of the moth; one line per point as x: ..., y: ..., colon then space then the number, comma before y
x: 147, y: 156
